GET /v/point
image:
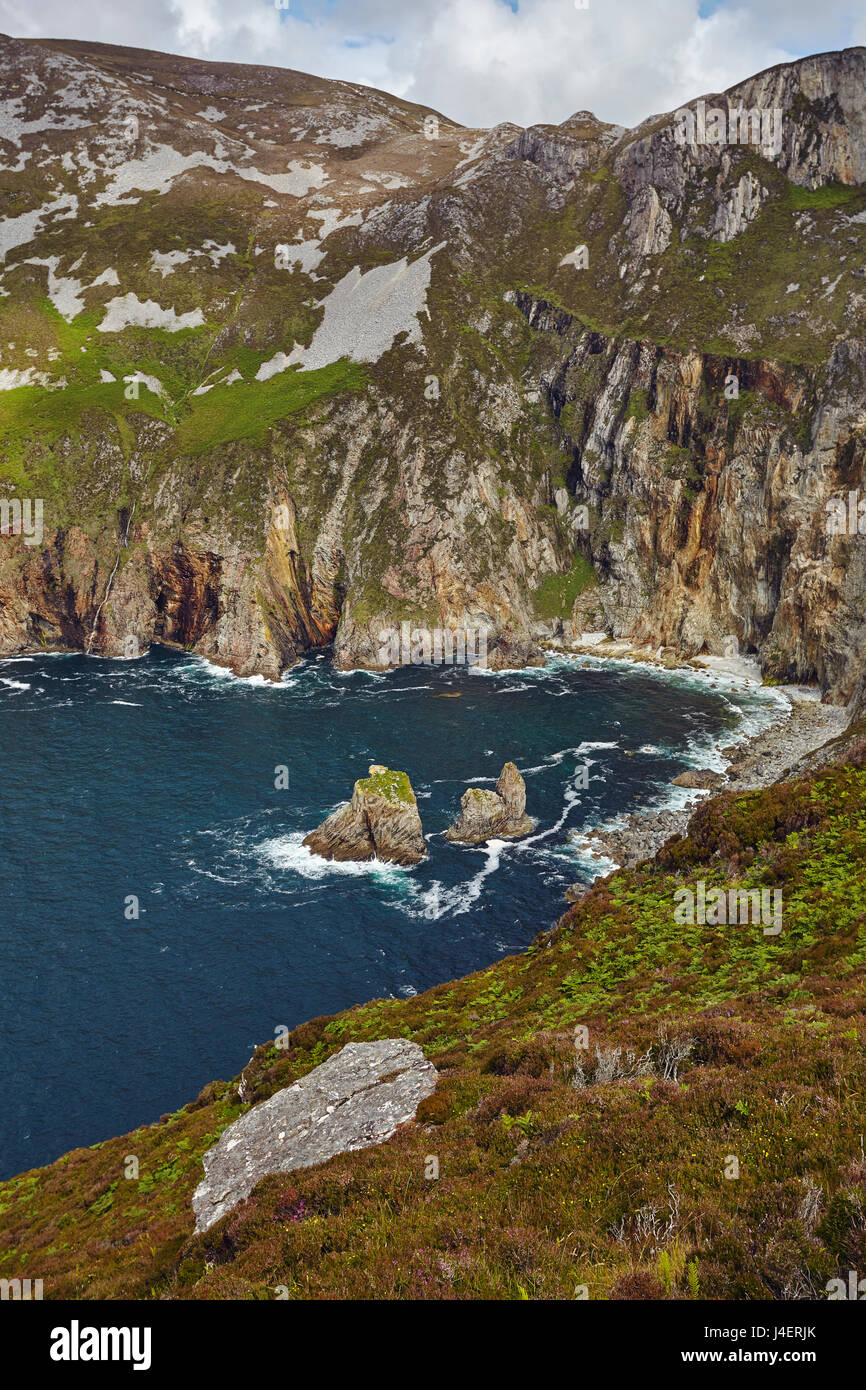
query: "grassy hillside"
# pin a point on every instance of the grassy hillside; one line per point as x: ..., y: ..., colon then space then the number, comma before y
x: 600, y: 1170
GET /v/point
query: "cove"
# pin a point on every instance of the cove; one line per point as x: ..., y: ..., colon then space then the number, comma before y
x: 159, y: 779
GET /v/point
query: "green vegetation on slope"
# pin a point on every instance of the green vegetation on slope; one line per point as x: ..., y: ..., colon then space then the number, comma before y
x: 785, y: 278
x: 561, y: 1166
x: 247, y: 409
x: 555, y: 595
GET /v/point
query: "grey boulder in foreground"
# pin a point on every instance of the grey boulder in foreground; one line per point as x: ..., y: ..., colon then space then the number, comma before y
x: 354, y: 1100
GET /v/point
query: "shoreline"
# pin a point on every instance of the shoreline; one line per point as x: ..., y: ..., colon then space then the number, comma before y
x: 750, y: 761
x: 755, y: 761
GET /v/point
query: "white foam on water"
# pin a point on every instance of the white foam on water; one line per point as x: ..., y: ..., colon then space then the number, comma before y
x: 752, y: 719
x: 555, y: 759
x: 14, y: 685
x: 477, y: 670
x: 591, y: 858
x: 757, y: 708
x: 570, y: 799
x: 289, y: 853
x: 686, y: 677
x: 361, y: 671
x: 437, y: 901
x: 199, y: 665
x: 206, y: 873
x: 132, y: 703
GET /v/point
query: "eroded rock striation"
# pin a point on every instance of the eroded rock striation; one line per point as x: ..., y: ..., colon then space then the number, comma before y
x: 493, y: 815
x: 354, y: 1100
x: 380, y: 822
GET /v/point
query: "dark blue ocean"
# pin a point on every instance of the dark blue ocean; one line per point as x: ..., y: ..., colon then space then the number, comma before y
x: 156, y: 778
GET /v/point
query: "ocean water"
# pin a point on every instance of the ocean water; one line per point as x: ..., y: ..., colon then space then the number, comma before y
x: 155, y: 779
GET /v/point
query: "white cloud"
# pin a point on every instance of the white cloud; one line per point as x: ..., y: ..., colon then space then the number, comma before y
x: 480, y: 61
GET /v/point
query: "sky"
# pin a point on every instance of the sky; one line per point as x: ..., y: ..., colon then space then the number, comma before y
x: 478, y: 61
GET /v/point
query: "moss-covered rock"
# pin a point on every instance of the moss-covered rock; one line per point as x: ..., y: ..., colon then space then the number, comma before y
x: 380, y: 822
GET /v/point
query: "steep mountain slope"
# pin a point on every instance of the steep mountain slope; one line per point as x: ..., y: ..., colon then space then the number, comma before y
x: 632, y: 1108
x: 288, y: 361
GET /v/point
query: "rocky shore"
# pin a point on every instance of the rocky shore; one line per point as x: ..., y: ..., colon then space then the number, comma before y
x: 759, y: 761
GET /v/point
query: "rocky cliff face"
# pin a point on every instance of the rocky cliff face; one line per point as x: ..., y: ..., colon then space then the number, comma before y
x: 707, y: 518
x: 289, y: 362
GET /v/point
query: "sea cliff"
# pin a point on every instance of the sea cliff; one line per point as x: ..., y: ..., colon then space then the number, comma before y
x: 234, y: 454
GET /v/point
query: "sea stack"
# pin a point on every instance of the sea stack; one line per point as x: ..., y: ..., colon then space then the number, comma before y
x: 380, y: 822
x: 496, y: 815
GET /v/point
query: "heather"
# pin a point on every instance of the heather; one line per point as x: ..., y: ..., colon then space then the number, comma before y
x: 596, y: 1094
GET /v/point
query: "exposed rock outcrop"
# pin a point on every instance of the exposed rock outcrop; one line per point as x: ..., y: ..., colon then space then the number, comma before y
x: 664, y: 476
x: 647, y: 225
x: 493, y: 815
x: 743, y: 204
x: 354, y: 1100
x: 719, y: 514
x: 703, y: 779
x: 380, y: 822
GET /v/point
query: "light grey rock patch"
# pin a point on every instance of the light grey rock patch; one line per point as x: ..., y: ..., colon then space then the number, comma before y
x: 741, y: 206
x: 354, y: 1100
x: 363, y: 315
x: 647, y: 224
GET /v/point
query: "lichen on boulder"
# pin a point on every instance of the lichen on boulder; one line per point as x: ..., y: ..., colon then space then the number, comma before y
x: 489, y: 815
x: 355, y: 1099
x: 380, y: 822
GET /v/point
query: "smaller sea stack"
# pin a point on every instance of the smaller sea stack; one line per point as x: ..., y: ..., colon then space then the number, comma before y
x: 496, y: 815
